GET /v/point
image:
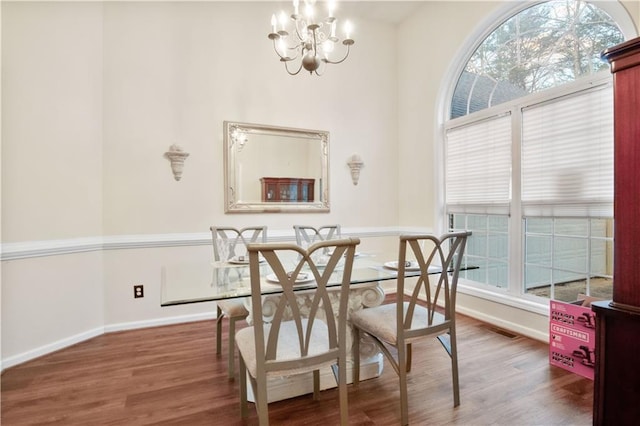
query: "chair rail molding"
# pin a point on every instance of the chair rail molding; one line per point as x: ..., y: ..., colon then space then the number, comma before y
x: 29, y: 249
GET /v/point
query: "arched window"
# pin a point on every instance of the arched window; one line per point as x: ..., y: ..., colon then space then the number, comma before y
x: 544, y: 46
x: 529, y: 152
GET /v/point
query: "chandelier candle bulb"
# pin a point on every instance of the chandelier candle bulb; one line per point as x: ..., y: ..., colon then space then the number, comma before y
x: 309, y: 12
x: 347, y: 30
x: 273, y: 23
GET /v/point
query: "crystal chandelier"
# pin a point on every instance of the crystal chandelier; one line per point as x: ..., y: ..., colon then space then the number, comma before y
x: 311, y: 41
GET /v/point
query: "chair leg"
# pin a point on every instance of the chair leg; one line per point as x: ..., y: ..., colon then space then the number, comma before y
x: 342, y: 391
x: 232, y: 345
x: 454, y: 367
x: 219, y: 332
x: 402, y: 377
x: 356, y: 355
x: 260, y: 394
x: 316, y: 384
x: 242, y: 370
x: 409, y: 357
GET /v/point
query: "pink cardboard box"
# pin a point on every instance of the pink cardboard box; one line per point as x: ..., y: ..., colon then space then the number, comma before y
x: 572, y: 332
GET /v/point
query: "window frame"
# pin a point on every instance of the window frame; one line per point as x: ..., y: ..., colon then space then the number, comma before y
x: 515, y: 285
x: 508, y: 297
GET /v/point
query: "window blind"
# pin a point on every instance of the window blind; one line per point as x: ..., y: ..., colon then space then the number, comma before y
x: 567, y: 155
x: 478, y: 166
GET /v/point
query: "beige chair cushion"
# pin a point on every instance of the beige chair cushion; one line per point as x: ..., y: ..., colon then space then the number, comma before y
x: 233, y: 308
x: 380, y: 321
x: 288, y: 345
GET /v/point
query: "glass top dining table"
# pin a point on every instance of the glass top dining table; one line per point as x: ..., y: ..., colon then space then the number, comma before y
x: 210, y: 281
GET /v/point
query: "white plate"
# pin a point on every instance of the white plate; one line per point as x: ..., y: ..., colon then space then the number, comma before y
x: 244, y: 261
x: 301, y: 279
x: 433, y: 269
x: 394, y: 265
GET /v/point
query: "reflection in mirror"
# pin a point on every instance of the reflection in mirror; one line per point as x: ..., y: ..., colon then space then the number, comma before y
x: 275, y: 169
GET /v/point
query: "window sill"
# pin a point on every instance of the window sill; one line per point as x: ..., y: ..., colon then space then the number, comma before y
x: 540, y: 307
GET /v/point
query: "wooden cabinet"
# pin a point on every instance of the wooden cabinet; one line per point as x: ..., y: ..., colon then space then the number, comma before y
x: 617, y: 376
x: 287, y: 190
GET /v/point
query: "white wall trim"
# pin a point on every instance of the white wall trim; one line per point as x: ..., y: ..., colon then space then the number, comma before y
x: 29, y: 249
x: 507, y: 325
x: 51, y: 347
x: 157, y: 322
x: 98, y: 331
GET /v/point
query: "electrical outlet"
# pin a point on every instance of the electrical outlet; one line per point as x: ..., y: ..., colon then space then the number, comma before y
x: 138, y: 291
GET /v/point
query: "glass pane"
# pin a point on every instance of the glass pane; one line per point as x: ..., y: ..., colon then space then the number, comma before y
x: 498, y: 223
x: 498, y: 246
x: 570, y: 254
x: 498, y: 274
x: 539, y: 225
x: 602, y: 228
x: 601, y: 288
x: 477, y: 222
x: 602, y: 258
x: 459, y: 221
x: 477, y: 245
x: 572, y: 226
x: 537, y: 280
x: 487, y: 248
x: 538, y: 250
x: 569, y: 291
x: 478, y: 275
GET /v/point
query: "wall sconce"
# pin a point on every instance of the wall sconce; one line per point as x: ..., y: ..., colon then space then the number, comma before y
x: 177, y: 156
x: 355, y: 164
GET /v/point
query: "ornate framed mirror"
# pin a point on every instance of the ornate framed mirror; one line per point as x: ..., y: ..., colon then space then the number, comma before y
x: 269, y: 169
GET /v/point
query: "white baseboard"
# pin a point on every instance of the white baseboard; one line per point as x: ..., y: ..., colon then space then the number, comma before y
x: 506, y: 325
x: 51, y: 347
x: 98, y: 331
x: 156, y: 322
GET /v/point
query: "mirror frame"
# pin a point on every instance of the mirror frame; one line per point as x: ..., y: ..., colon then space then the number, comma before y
x: 231, y: 149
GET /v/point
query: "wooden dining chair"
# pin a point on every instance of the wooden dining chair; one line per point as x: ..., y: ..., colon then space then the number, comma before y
x: 227, y: 241
x: 307, y: 235
x: 398, y: 325
x: 296, y: 339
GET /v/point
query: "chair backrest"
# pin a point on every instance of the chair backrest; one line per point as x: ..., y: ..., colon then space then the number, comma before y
x: 429, y: 253
x: 226, y: 239
x: 307, y: 235
x: 305, y: 316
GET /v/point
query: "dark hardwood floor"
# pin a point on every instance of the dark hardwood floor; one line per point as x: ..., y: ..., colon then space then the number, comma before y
x: 170, y: 375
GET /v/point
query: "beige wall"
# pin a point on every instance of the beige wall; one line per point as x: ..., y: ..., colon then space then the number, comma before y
x: 424, y: 57
x: 177, y: 74
x: 51, y: 173
x: 52, y: 121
